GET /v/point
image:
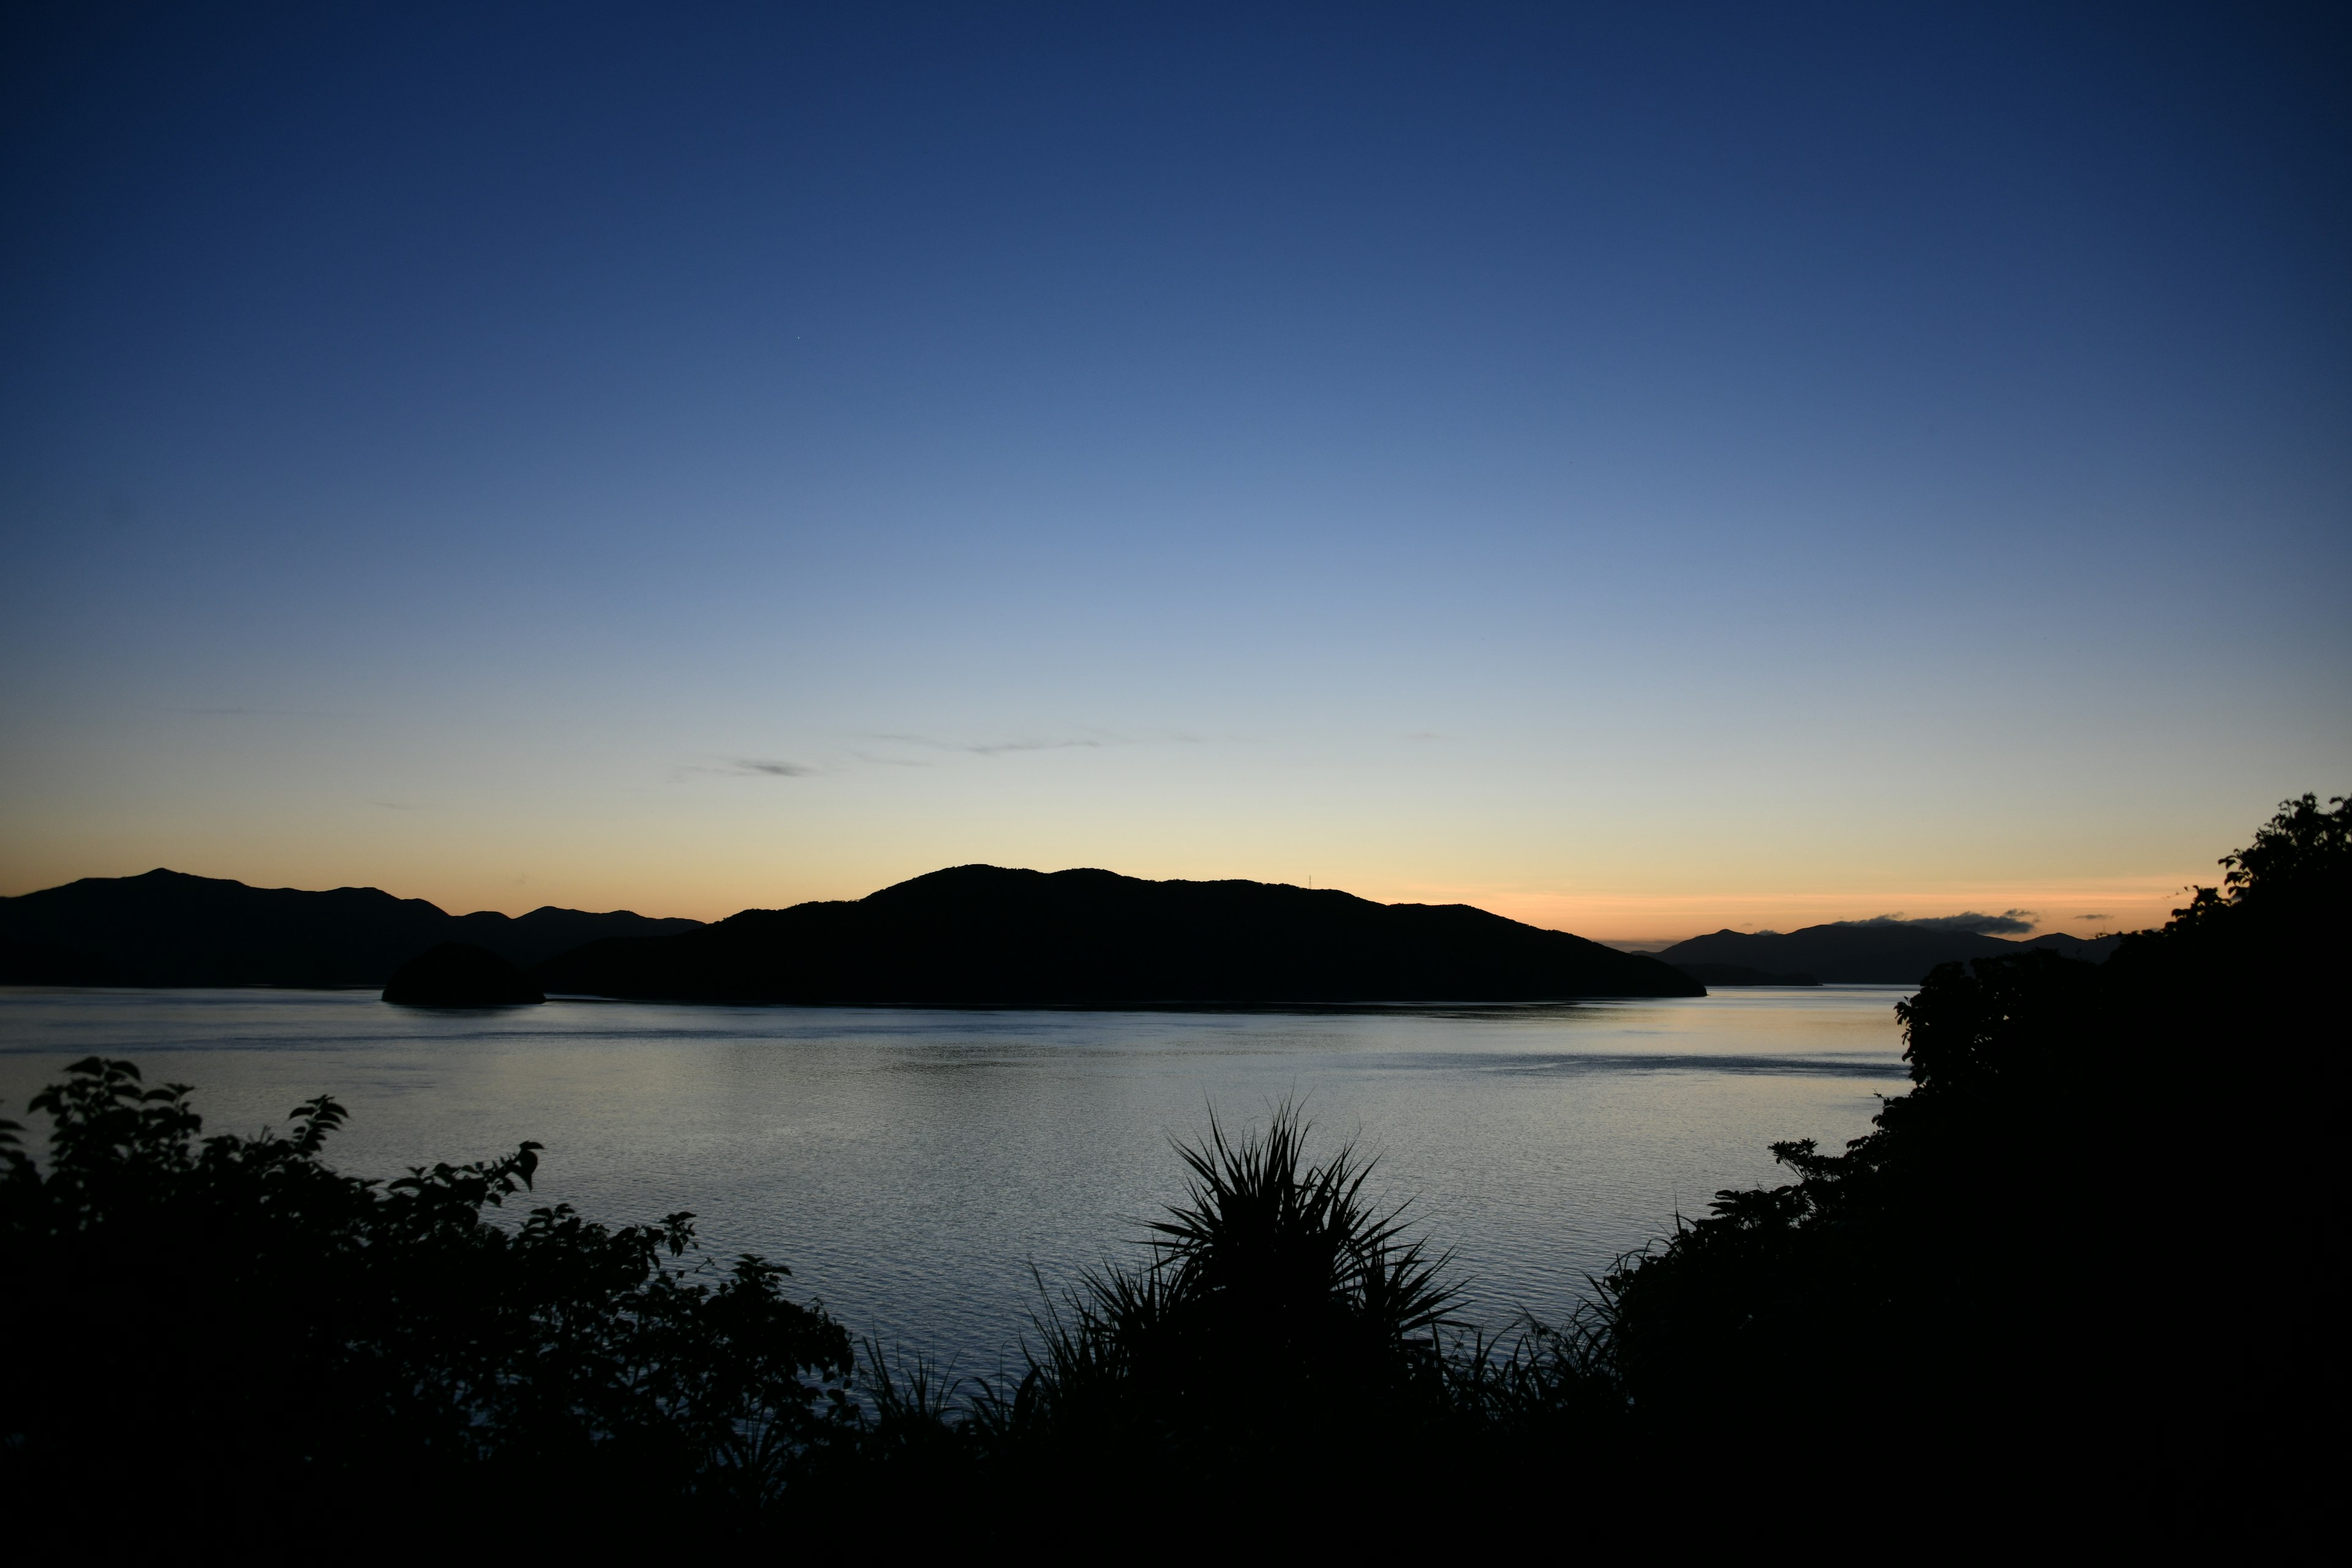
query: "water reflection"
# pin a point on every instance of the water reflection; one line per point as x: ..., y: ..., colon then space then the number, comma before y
x: 911, y: 1165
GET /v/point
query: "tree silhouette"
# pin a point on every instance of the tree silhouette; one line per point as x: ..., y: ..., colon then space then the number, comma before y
x: 234, y: 1322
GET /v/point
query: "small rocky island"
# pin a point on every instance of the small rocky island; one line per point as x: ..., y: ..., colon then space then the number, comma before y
x: 459, y: 975
x: 1714, y: 974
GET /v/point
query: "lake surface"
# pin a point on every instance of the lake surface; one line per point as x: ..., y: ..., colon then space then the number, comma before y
x: 910, y: 1167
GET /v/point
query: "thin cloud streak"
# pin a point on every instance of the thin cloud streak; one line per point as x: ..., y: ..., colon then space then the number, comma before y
x: 749, y: 768
x: 2008, y: 922
x: 1003, y: 748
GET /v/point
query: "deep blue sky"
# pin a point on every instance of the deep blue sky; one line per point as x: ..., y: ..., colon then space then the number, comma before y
x: 1642, y: 469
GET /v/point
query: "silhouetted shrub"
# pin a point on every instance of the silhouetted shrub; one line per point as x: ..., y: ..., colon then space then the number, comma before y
x: 226, y: 1323
x: 1282, y: 1355
x: 1990, y: 1284
x: 1279, y: 1308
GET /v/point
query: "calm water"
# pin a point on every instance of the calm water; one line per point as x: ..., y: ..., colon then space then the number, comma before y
x: 909, y: 1166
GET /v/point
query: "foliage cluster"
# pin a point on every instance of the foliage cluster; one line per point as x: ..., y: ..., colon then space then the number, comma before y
x: 1284, y: 1346
x: 227, y: 1318
x: 1276, y: 1294
x: 1990, y: 1281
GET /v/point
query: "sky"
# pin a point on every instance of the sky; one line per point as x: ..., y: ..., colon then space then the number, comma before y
x: 1639, y: 469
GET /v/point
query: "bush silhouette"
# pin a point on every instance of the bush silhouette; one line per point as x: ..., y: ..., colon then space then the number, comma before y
x: 238, y: 1327
x: 1284, y: 1348
x: 1279, y: 1307
x: 1988, y: 1283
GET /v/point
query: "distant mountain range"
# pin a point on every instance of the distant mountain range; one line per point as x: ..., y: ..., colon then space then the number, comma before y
x: 985, y: 935
x: 979, y: 934
x: 1867, y: 951
x: 167, y: 928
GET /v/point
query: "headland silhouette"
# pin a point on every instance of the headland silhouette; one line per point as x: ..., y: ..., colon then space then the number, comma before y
x: 167, y: 928
x: 989, y: 936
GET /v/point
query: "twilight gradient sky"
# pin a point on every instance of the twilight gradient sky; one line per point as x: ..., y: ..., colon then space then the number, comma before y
x: 1638, y: 468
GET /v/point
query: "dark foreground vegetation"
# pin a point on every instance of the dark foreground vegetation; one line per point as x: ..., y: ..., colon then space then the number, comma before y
x: 1994, y: 1302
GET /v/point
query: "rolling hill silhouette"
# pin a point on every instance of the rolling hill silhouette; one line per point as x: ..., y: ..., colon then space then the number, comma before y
x: 1867, y: 951
x: 167, y: 928
x: 988, y: 936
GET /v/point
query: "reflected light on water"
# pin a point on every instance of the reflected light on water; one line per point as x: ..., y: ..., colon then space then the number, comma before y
x: 910, y: 1167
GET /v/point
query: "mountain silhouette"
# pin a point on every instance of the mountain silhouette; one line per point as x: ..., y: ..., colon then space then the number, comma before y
x: 167, y: 928
x: 984, y: 935
x: 1886, y: 952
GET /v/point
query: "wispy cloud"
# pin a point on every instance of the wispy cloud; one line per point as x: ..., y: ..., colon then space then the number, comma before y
x: 1003, y: 748
x: 747, y: 768
x: 2008, y: 922
x: 2094, y: 917
x: 777, y: 768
